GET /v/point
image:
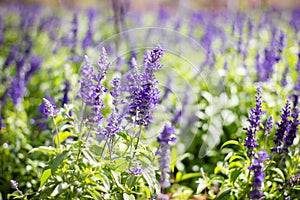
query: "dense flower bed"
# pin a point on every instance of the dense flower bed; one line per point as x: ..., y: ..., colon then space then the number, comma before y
x: 199, y: 105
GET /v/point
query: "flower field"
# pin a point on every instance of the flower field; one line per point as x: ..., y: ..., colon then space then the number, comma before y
x: 157, y: 104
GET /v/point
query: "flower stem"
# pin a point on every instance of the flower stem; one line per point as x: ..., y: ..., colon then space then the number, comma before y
x: 57, y: 135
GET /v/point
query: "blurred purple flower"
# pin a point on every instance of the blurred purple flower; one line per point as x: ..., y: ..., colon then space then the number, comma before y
x: 88, y: 39
x: 165, y: 138
x: 65, y: 99
x: 35, y: 64
x: 136, y: 170
x: 284, y: 75
x: 269, y: 126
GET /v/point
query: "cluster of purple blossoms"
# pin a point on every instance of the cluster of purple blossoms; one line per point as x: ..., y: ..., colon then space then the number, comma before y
x: 114, y: 120
x: 255, y: 120
x: 165, y: 138
x: 292, y: 132
x: 49, y: 108
x: 258, y: 179
x: 91, y: 88
x: 283, y: 127
x: 269, y: 126
x: 142, y: 88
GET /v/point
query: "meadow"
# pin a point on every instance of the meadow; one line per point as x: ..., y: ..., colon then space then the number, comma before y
x: 149, y: 105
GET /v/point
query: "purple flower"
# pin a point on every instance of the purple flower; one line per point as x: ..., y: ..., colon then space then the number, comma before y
x: 65, y: 99
x: 142, y: 88
x: 91, y: 88
x: 255, y: 120
x: 136, y: 170
x: 259, y: 176
x: 88, y: 39
x: 284, y: 75
x: 49, y: 108
x: 35, y: 64
x: 14, y: 184
x: 269, y: 126
x: 165, y: 138
x: 292, y: 131
x: 12, y: 55
x: 283, y: 127
x: 114, y: 120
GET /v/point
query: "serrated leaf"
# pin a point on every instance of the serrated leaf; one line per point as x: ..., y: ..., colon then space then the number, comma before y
x: 231, y: 142
x: 44, y: 149
x: 46, y: 174
x: 58, y: 160
x: 128, y: 196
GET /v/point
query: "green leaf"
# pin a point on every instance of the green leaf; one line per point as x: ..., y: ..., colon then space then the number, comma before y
x: 201, y: 185
x: 128, y: 196
x: 279, y: 172
x: 62, y: 136
x: 231, y: 143
x: 96, y: 149
x: 234, y: 175
x: 236, y: 164
x: 224, y: 194
x: 58, y: 160
x: 190, y: 175
x: 46, y: 174
x: 59, y: 189
x: 235, y: 157
x: 117, y: 177
x: 125, y: 136
x: 220, y: 169
x: 149, y: 175
x: 44, y: 149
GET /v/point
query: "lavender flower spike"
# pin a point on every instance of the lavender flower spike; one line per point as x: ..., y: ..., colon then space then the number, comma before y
x: 165, y: 138
x: 292, y: 132
x: 255, y: 120
x: 258, y: 179
x: 49, y: 108
x: 144, y: 95
x: 283, y: 127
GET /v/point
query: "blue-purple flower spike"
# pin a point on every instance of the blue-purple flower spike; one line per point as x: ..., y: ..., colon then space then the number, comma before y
x: 165, y: 138
x: 255, y: 120
x: 259, y: 176
x: 283, y: 127
x: 49, y: 108
x: 292, y: 132
x: 144, y: 94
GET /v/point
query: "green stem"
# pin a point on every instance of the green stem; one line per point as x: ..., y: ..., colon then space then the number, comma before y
x: 57, y: 135
x: 136, y: 145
